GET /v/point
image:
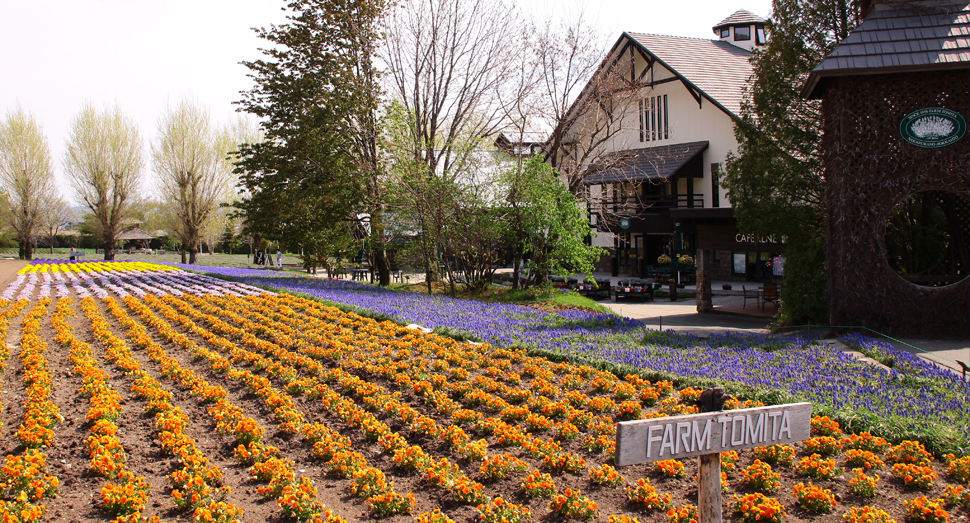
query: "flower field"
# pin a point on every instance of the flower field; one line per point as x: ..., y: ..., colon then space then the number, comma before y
x: 914, y: 394
x: 135, y: 391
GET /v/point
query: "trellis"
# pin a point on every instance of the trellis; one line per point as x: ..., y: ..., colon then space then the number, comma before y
x: 869, y: 169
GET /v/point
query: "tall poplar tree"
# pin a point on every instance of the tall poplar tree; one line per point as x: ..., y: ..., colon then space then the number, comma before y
x: 316, y: 94
x: 775, y: 181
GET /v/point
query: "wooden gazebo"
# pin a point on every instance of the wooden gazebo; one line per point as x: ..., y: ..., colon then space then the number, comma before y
x: 136, y: 234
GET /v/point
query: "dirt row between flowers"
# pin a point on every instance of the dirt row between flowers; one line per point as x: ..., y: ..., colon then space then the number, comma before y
x: 78, y: 498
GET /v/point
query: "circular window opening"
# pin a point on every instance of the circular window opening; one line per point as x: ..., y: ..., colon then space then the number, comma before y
x: 927, y: 238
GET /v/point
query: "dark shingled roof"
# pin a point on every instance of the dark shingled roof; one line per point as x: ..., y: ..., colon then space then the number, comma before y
x: 930, y: 37
x: 135, y: 234
x: 740, y: 17
x: 651, y: 163
x: 719, y: 69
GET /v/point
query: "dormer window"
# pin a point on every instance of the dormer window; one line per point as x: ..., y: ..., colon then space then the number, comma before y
x: 759, y: 36
x: 725, y: 32
x: 742, y: 33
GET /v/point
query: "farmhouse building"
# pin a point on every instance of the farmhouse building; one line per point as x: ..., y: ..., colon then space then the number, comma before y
x: 895, y: 98
x: 652, y: 151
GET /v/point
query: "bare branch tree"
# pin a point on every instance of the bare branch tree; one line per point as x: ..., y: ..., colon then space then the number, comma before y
x: 104, y: 164
x: 194, y: 178
x: 447, y: 61
x: 57, y: 214
x: 26, y: 174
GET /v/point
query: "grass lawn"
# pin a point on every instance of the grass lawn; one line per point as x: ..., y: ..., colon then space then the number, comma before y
x: 543, y: 298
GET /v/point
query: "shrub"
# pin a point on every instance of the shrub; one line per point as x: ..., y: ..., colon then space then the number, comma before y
x: 867, y: 515
x: 572, y: 504
x: 862, y: 485
x: 824, y: 426
x: 685, y: 514
x: 957, y: 495
x: 501, y: 511
x: 758, y: 508
x: 645, y: 495
x: 865, y: 441
x: 774, y: 454
x: 501, y: 465
x: 671, y: 468
x: 814, y: 499
x: 958, y: 468
x: 760, y: 476
x: 915, y: 476
x: 925, y: 510
x: 818, y: 468
x: 605, y: 476
x: 823, y: 445
x: 862, y: 458
x: 908, y: 452
x: 538, y: 485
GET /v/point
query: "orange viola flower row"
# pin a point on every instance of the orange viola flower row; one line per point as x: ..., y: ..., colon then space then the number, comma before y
x: 296, y: 498
x: 197, y: 485
x: 126, y: 497
x: 23, y: 478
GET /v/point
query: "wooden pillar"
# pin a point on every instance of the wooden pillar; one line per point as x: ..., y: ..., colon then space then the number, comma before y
x: 709, y: 488
x: 703, y: 282
x: 709, y: 465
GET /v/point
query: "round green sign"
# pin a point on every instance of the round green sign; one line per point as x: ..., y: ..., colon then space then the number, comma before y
x: 933, y: 127
x: 624, y: 223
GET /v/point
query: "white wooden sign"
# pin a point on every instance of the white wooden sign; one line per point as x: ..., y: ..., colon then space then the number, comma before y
x: 645, y: 441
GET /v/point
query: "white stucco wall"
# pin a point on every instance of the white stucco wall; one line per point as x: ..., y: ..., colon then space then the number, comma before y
x: 687, y: 121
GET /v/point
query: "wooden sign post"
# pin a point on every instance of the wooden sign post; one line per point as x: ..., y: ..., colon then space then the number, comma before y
x: 707, y: 435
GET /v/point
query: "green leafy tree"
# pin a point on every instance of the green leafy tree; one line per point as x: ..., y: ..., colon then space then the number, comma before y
x: 775, y: 181
x: 315, y: 94
x: 546, y: 222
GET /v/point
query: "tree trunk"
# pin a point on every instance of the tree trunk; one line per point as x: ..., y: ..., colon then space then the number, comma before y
x: 109, y: 242
x: 29, y: 251
x: 193, y: 246
x: 381, y: 261
x: 182, y: 251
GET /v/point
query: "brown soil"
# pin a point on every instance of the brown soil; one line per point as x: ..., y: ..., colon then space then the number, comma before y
x: 556, y: 307
x: 78, y: 497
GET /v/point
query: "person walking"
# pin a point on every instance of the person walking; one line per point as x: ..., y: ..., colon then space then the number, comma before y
x: 279, y: 259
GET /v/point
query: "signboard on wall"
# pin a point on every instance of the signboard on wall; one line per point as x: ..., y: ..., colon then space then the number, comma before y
x: 932, y: 127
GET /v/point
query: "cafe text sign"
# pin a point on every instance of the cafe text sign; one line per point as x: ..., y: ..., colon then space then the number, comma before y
x: 644, y: 441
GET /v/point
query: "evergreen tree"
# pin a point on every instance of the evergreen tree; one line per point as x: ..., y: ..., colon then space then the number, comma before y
x: 775, y: 181
x: 315, y: 93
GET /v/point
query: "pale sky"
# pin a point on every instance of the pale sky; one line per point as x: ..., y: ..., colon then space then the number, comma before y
x: 141, y: 54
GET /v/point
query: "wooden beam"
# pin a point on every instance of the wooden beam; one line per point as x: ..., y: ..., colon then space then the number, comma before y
x: 698, y: 97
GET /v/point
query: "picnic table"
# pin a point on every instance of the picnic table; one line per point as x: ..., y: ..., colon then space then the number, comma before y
x: 358, y: 274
